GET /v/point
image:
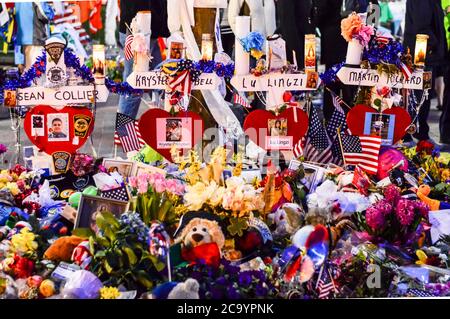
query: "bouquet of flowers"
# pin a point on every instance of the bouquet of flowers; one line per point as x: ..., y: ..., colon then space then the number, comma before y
x: 353, y: 27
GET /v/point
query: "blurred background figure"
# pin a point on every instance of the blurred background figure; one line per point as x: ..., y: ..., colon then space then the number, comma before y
x: 398, y: 11
x: 444, y: 123
x: 432, y: 24
x: 32, y: 31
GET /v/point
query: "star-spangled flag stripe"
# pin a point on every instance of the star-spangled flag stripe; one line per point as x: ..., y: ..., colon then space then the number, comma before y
x: 240, y: 100
x: 127, y: 48
x: 128, y: 133
x: 362, y: 151
x: 414, y: 292
x: 318, y: 145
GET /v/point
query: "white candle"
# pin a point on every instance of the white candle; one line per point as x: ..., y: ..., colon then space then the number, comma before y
x: 143, y: 25
x: 99, y: 63
x: 294, y: 57
x: 242, y: 58
x: 354, y: 53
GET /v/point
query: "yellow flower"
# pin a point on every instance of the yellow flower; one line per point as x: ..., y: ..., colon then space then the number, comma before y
x: 12, y: 187
x: 422, y: 257
x: 109, y: 293
x: 23, y: 242
x: 47, y: 288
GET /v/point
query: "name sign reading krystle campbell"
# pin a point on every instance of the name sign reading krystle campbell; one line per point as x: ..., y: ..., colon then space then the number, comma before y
x: 62, y: 96
x: 159, y: 80
x: 370, y: 77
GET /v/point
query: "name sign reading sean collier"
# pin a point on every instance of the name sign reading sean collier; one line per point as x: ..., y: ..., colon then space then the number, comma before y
x: 158, y: 80
x: 62, y: 96
x: 370, y: 77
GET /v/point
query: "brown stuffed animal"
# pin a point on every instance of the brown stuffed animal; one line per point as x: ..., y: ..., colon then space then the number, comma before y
x: 201, y: 231
x: 62, y: 248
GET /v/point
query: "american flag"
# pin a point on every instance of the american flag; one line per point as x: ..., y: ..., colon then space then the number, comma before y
x: 127, y: 48
x: 414, y: 292
x: 298, y: 148
x: 238, y: 99
x: 338, y: 119
x: 127, y: 133
x: 317, y: 145
x: 325, y: 283
x: 405, y: 70
x: 182, y: 83
x: 362, y: 151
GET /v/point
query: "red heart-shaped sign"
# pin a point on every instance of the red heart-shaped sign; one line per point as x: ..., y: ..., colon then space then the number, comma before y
x: 161, y: 130
x: 357, y: 116
x: 53, y: 130
x: 256, y: 125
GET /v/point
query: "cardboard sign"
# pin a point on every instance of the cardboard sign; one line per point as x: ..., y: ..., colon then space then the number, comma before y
x: 288, y: 82
x: 370, y: 77
x: 158, y: 80
x: 62, y: 96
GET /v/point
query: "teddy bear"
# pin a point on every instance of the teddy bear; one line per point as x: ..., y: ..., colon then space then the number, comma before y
x: 201, y: 231
x: 62, y: 248
x: 175, y: 290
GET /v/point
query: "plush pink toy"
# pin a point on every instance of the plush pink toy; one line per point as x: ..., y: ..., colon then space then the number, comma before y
x: 388, y: 159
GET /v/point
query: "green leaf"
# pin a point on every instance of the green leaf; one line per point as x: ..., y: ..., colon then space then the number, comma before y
x: 108, y: 268
x: 111, y: 220
x: 132, y: 259
x: 158, y: 264
x: 237, y: 226
x: 110, y: 234
x: 100, y: 254
x: 102, y: 241
x: 144, y: 279
x: 165, y: 207
x: 112, y: 259
x: 92, y: 244
x: 83, y: 232
x: 441, y: 187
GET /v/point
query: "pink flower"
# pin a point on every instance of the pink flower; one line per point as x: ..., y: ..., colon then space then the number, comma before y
x: 173, y: 186
x: 142, y: 186
x: 422, y: 208
x: 364, y: 34
x: 154, y: 178
x: 133, y: 181
x: 351, y: 26
x: 392, y: 194
x: 405, y: 211
x: 375, y: 218
x: 159, y: 186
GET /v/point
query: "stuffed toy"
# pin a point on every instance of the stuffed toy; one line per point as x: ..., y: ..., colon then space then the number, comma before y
x: 423, y: 191
x: 62, y: 248
x: 201, y: 231
x: 82, y: 254
x: 287, y: 219
x: 177, y: 290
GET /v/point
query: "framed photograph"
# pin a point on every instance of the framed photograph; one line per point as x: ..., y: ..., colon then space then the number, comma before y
x: 276, y: 51
x: 10, y: 98
x: 28, y: 151
x: 277, y: 127
x: 91, y: 206
x: 312, y: 79
x: 140, y: 168
x: 278, y: 139
x: 383, y: 125
x: 176, y: 50
x: 294, y: 165
x: 250, y: 174
x: 313, y: 176
x: 174, y: 131
x: 57, y: 127
x: 37, y: 125
x: 124, y: 168
x: 427, y: 80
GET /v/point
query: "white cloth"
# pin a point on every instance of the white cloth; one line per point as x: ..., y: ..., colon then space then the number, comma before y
x: 112, y: 13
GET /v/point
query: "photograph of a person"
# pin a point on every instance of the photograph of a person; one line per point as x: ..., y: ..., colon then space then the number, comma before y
x: 37, y: 125
x: 277, y: 127
x: 382, y: 125
x: 173, y: 130
x: 313, y: 176
x: 58, y: 127
x: 92, y: 206
x: 124, y: 168
x: 10, y: 98
x: 176, y: 50
x: 427, y: 80
x: 311, y: 79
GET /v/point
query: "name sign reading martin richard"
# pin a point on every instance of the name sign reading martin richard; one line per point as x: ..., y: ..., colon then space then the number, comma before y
x: 370, y: 77
x: 62, y: 96
x: 290, y: 82
x: 157, y: 80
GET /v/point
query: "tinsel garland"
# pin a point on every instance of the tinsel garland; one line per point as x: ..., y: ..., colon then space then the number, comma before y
x: 389, y: 53
x: 330, y: 75
x: 206, y: 66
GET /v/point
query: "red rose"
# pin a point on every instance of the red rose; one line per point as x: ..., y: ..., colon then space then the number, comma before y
x: 23, y: 267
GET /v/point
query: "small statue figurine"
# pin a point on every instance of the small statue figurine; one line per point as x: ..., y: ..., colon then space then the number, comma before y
x: 260, y: 68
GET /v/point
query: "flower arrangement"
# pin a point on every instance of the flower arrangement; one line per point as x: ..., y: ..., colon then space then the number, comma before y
x: 156, y: 196
x: 353, y: 27
x: 82, y: 164
x: 394, y: 218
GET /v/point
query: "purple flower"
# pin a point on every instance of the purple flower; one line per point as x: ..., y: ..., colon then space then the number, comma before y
x: 392, y: 194
x: 405, y: 211
x: 422, y: 208
x: 221, y: 281
x: 245, y: 278
x: 261, y: 291
x: 3, y: 149
x: 375, y: 218
x: 216, y: 292
x: 232, y: 293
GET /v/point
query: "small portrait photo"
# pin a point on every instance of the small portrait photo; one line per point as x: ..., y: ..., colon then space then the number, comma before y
x: 141, y: 168
x: 28, y: 152
x: 277, y: 127
x: 377, y: 124
x: 124, y: 168
x: 58, y: 127
x: 313, y: 176
x: 427, y: 80
x: 174, y: 130
x: 312, y: 79
x: 91, y: 206
x: 10, y: 98
x: 176, y: 50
